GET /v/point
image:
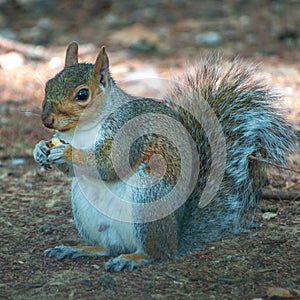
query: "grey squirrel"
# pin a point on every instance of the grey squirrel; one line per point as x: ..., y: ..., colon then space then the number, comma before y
x: 141, y: 167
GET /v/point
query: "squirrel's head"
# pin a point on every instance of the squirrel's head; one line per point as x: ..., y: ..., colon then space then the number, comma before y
x: 77, y: 87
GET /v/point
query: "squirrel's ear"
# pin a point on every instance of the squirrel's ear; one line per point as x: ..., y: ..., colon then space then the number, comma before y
x: 71, y: 54
x: 101, y: 67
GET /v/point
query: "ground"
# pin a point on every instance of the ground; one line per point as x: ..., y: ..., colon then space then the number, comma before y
x: 142, y: 40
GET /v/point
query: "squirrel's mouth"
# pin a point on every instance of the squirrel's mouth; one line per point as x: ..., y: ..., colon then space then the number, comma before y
x: 65, y: 128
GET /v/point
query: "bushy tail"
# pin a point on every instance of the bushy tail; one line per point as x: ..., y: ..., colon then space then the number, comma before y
x: 251, y: 125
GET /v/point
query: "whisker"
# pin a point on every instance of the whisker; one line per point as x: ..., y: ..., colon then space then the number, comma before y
x: 40, y: 79
x: 31, y: 111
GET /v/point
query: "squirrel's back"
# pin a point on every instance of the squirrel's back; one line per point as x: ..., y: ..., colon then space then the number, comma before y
x: 233, y: 118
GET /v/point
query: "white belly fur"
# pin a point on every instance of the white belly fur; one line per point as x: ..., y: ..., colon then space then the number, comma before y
x: 90, y: 198
x: 93, y: 225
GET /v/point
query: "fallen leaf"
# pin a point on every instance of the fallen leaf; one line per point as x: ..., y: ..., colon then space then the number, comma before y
x: 278, y: 292
x: 269, y: 216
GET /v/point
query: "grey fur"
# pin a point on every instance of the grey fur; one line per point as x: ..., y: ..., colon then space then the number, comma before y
x: 251, y: 125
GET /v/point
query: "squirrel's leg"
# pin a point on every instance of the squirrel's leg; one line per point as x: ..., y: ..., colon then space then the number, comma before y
x: 61, y: 251
x: 158, y: 242
x: 124, y: 261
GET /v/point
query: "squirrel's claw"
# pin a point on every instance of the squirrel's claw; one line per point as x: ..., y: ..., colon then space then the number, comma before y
x: 126, y: 261
x: 40, y: 154
x: 56, y: 154
x: 46, y: 156
x: 61, y: 252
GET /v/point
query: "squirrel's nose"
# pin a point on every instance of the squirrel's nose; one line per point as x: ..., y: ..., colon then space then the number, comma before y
x: 49, y: 122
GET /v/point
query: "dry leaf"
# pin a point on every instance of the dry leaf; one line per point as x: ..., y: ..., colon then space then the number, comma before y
x: 279, y: 292
x: 269, y: 216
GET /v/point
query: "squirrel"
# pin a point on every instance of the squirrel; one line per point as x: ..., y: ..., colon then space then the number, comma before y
x: 152, y: 179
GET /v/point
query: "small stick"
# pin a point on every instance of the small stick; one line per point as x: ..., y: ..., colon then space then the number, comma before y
x: 37, y: 52
x: 28, y: 50
x: 272, y: 164
x: 280, y: 195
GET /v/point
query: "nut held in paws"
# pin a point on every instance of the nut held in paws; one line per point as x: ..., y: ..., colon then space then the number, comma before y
x: 55, y: 142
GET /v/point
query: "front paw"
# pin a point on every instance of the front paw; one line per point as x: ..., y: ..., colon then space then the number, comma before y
x: 61, y: 251
x: 40, y: 154
x: 59, y: 154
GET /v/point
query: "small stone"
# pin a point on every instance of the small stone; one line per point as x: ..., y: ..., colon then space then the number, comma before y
x: 55, y: 63
x: 210, y: 38
x: 279, y: 292
x: 144, y: 81
x: 18, y: 161
x: 115, y: 21
x: 269, y: 215
x: 245, y: 20
x: 107, y: 280
x: 143, y: 46
x: 96, y: 267
x: 86, y: 282
x: 28, y: 184
x: 44, y: 23
x: 52, y: 202
x: 142, y: 73
x: 11, y: 60
x: 251, y: 38
x: 46, y: 229
x: 8, y: 34
x: 229, y: 257
x: 134, y: 34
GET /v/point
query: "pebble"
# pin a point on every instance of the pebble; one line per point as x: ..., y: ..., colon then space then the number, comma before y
x: 134, y: 34
x: 8, y: 34
x: 144, y: 81
x: 18, y: 161
x: 86, y: 282
x: 268, y: 216
x: 28, y: 184
x: 55, y: 62
x: 11, y: 60
x: 146, y: 75
x: 107, y: 280
x: 115, y: 21
x: 142, y: 73
x: 210, y: 38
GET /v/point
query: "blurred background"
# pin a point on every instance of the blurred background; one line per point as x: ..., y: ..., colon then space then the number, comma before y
x: 162, y: 27
x: 161, y: 33
x: 158, y: 35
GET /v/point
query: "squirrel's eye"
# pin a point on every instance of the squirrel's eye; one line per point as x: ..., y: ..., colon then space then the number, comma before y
x: 82, y: 95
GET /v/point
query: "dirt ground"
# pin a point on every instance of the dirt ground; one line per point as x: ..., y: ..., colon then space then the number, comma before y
x: 142, y: 40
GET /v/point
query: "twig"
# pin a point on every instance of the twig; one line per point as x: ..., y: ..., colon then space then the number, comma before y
x: 30, y: 51
x: 281, y: 195
x: 266, y: 270
x: 272, y: 164
x: 37, y: 52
